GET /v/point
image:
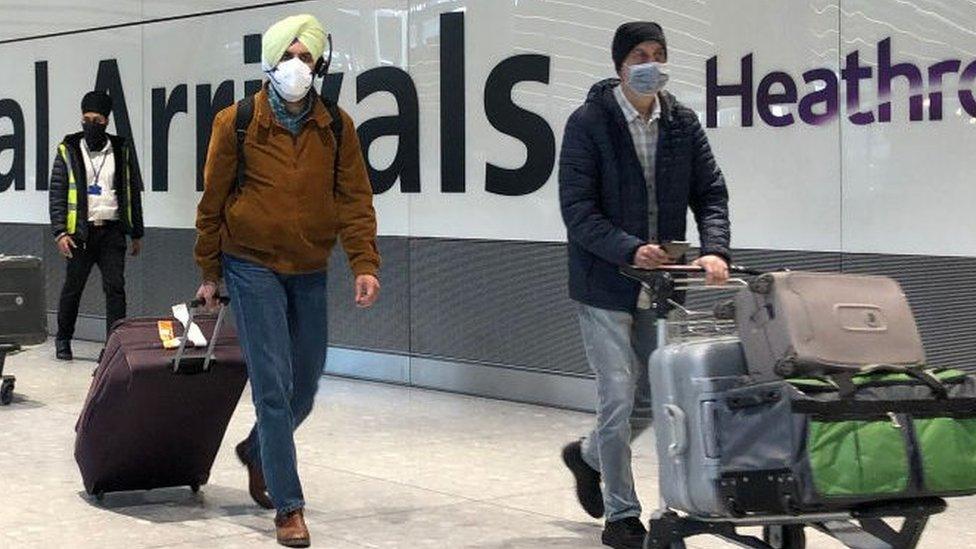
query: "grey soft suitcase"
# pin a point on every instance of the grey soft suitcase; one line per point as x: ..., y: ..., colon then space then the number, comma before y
x: 687, y: 381
x: 797, y: 323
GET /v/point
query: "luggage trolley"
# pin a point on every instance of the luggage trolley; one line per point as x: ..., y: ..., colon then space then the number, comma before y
x: 862, y: 527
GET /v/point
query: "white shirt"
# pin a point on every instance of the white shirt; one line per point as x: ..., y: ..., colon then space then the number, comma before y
x: 104, y: 206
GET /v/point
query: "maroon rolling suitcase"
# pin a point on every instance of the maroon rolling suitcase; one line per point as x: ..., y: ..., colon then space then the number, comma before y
x: 155, y: 417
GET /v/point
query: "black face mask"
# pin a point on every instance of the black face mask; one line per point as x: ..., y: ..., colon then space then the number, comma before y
x: 95, y: 135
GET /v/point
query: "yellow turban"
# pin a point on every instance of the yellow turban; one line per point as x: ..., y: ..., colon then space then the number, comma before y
x: 277, y: 39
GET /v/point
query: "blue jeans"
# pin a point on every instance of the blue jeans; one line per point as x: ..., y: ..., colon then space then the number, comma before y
x: 618, y: 346
x: 283, y: 330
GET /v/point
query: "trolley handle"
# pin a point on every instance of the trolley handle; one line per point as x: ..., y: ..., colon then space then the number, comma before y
x: 192, y: 306
x: 680, y: 277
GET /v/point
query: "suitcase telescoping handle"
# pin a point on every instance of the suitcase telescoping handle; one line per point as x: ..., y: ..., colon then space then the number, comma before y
x: 191, y: 307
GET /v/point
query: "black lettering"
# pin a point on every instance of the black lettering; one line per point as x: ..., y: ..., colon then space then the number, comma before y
x: 452, y: 102
x: 15, y: 142
x: 207, y: 108
x: 42, y: 112
x: 163, y: 111
x: 109, y: 80
x: 526, y: 126
x: 405, y: 126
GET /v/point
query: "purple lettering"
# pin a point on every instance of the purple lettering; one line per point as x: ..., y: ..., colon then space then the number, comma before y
x: 853, y: 73
x: 965, y: 89
x: 888, y: 72
x: 828, y: 95
x: 714, y: 90
x: 765, y: 100
x: 936, y: 72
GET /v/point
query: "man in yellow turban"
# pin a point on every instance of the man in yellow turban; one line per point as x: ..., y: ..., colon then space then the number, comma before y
x: 266, y: 226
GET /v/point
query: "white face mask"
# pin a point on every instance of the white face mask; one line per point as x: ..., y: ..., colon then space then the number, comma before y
x: 292, y: 79
x: 647, y: 78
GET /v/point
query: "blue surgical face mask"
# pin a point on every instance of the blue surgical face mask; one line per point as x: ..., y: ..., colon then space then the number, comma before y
x: 647, y: 78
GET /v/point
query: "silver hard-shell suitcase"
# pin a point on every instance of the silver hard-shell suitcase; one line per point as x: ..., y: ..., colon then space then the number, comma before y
x: 686, y: 381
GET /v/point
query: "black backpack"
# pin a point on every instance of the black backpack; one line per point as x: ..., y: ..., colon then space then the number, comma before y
x: 245, y: 112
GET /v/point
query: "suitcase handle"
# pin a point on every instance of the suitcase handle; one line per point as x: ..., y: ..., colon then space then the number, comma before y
x: 847, y: 387
x: 677, y: 421
x: 200, y: 302
x: 208, y: 358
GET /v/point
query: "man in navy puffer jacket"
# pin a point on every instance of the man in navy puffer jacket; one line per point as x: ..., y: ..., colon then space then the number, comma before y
x: 633, y: 162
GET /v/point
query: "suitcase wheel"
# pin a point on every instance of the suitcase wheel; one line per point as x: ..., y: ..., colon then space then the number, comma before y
x: 99, y: 497
x: 195, y: 488
x: 762, y: 285
x: 6, y: 392
x: 787, y: 536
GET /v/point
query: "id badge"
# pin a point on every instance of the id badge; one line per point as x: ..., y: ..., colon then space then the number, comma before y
x: 94, y: 190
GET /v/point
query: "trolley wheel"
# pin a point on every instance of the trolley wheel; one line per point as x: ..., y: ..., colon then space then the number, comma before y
x: 787, y: 536
x: 6, y: 392
x: 762, y: 285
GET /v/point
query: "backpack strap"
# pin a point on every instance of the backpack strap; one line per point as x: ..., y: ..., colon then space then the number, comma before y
x: 245, y: 112
x: 336, y: 127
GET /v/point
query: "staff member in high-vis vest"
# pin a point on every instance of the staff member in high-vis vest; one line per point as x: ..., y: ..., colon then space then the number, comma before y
x: 285, y: 177
x: 95, y: 202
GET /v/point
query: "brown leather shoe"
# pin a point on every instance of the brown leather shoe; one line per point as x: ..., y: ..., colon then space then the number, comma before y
x: 255, y: 477
x: 291, y: 529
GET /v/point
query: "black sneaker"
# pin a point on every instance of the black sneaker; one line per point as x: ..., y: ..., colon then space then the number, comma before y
x: 587, y: 480
x: 62, y: 349
x: 628, y: 533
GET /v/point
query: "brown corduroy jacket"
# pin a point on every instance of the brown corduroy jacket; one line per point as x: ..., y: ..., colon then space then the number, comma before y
x: 289, y: 211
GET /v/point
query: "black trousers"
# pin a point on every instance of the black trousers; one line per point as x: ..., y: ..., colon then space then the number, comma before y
x: 105, y: 247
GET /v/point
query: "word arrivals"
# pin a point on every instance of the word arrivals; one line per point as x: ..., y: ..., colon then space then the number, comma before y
x: 502, y: 113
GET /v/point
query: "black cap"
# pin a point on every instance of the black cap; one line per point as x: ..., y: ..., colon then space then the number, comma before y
x: 630, y: 35
x: 97, y: 101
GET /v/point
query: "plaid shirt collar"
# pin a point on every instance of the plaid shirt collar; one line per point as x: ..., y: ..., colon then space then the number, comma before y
x: 630, y: 112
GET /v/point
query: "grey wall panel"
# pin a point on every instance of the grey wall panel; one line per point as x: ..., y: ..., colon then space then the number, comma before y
x: 21, y: 239
x: 942, y: 291
x: 168, y: 273
x: 495, y: 302
x: 386, y: 326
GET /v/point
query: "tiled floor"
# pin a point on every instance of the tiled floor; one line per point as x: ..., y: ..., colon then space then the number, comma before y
x: 382, y: 466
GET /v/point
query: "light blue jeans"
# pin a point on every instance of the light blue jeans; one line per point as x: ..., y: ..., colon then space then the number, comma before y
x: 618, y: 346
x: 283, y: 330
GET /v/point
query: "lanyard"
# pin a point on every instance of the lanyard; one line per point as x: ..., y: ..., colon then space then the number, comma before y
x: 95, y: 172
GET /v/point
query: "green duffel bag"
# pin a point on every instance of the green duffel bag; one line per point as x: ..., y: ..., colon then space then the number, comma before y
x: 881, y: 434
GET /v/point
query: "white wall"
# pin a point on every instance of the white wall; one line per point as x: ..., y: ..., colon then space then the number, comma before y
x: 897, y: 187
